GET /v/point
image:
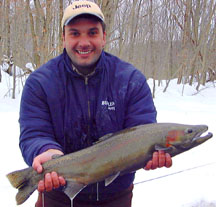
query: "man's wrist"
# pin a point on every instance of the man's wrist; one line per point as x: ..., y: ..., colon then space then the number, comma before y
x: 50, y: 147
x: 55, y: 151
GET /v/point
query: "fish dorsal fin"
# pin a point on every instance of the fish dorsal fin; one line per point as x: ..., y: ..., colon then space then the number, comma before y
x: 110, y: 179
x: 103, y: 138
x: 73, y: 188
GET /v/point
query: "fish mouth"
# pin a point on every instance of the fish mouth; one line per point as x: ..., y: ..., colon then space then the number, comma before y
x: 199, y: 137
x: 202, y: 138
x: 195, y: 141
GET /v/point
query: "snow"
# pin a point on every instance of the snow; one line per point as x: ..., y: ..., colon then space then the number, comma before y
x: 191, y: 179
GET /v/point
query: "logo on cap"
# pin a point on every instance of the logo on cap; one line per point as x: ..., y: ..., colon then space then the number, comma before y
x: 83, y: 5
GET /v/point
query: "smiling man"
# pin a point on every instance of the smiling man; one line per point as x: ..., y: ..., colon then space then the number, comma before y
x: 76, y: 98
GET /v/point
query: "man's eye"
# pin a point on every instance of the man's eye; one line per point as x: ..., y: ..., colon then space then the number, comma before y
x: 75, y: 33
x: 92, y: 33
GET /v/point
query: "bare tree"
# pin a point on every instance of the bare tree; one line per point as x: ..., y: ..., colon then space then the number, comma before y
x: 164, y: 39
x: 109, y: 9
x: 1, y: 35
x: 60, y: 44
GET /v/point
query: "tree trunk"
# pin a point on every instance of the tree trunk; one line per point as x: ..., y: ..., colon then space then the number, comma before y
x: 36, y: 56
x: 60, y: 44
x: 152, y: 58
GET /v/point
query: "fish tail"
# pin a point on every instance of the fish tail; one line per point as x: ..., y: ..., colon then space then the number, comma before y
x: 24, y: 193
x: 21, y: 180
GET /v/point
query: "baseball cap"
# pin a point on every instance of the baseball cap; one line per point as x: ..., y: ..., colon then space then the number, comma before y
x: 81, y: 7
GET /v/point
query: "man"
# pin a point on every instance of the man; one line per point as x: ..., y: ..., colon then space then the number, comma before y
x: 77, y: 97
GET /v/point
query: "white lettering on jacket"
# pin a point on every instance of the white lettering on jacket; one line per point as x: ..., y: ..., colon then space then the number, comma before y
x: 110, y: 105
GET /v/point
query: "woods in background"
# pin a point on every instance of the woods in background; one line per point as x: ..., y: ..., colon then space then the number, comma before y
x: 165, y: 39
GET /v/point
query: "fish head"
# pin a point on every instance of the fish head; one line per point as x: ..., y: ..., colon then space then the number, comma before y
x: 185, y: 137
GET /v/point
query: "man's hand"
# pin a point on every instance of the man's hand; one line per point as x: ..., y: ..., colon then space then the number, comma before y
x: 159, y: 159
x: 51, y: 180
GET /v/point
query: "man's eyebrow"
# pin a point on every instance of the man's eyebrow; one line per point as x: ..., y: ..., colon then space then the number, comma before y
x: 94, y: 28
x: 72, y: 29
x: 76, y: 30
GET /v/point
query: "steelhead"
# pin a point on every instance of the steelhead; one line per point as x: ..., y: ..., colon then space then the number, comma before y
x: 112, y: 156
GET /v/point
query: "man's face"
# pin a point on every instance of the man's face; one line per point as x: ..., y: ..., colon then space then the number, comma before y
x: 84, y: 40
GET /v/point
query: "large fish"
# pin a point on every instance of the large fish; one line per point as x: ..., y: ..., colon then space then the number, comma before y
x: 113, y: 155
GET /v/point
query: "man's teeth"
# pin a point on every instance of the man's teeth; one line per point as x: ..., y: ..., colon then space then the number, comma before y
x: 83, y: 52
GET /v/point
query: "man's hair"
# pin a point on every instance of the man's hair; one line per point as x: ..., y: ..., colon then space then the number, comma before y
x: 91, y: 17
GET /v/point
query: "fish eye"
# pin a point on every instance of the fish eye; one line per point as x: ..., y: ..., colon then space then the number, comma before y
x: 189, y: 131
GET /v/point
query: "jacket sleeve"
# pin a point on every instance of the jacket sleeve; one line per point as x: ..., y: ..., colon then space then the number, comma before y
x: 140, y: 107
x: 36, y: 130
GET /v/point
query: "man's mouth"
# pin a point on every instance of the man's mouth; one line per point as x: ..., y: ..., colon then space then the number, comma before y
x: 81, y: 52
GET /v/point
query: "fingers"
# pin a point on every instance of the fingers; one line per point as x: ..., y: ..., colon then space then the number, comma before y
x: 50, y: 182
x: 62, y: 181
x: 44, y: 157
x: 55, y: 180
x: 37, y: 166
x: 168, y: 160
x: 41, y: 186
x: 148, y: 165
x: 159, y: 159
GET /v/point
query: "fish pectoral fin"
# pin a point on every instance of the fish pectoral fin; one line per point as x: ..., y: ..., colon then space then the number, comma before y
x: 165, y: 149
x: 184, y: 147
x: 73, y: 188
x: 110, y: 179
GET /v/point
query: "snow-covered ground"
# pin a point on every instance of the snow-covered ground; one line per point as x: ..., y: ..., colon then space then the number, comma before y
x: 182, y: 189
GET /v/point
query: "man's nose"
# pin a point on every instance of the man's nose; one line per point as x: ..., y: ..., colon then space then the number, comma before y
x: 84, y: 41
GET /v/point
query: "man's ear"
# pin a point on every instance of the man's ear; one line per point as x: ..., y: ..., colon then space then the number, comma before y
x: 104, y: 39
x: 63, y: 39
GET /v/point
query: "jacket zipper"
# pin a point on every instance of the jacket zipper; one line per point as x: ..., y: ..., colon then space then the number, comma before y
x: 89, y: 118
x: 88, y: 105
x: 86, y: 78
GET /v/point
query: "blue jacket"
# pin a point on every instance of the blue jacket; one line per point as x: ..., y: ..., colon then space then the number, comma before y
x: 61, y: 109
